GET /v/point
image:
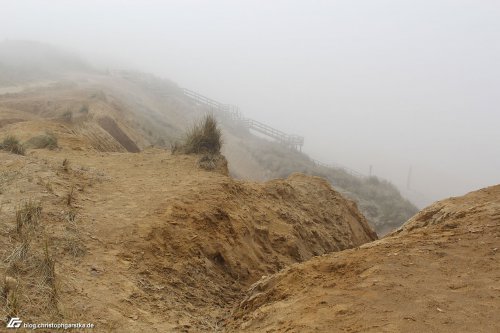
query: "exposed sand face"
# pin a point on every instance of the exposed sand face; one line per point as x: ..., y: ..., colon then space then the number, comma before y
x: 149, y: 241
x: 441, y: 273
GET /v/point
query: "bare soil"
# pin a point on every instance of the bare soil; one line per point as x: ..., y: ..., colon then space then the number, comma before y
x: 439, y: 273
x: 150, y: 241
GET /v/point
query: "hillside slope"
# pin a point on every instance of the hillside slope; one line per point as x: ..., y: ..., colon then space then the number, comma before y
x: 110, y: 227
x: 439, y: 273
x: 157, y: 112
x: 146, y: 241
x: 252, y: 157
x: 379, y: 200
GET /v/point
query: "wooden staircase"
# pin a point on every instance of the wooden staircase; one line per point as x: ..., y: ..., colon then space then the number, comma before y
x: 232, y: 112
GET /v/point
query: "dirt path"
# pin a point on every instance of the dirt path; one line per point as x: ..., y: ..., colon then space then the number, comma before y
x: 121, y: 213
x: 159, y: 245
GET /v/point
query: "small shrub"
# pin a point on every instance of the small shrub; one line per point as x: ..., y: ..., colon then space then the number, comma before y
x: 204, y: 137
x: 48, y: 141
x: 12, y: 144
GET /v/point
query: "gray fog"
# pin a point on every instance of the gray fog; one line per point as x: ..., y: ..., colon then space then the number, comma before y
x: 391, y: 84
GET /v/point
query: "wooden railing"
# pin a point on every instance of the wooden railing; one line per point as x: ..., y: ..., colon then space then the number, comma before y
x: 338, y: 166
x: 287, y: 139
x: 233, y: 112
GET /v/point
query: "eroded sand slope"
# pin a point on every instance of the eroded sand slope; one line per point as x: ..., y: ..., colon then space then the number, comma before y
x: 439, y: 273
x: 149, y: 241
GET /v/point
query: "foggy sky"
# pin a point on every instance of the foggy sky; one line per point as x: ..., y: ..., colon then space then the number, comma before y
x: 383, y: 83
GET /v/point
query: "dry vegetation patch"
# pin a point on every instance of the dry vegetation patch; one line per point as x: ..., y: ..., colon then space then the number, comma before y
x: 30, y: 280
x: 45, y: 141
x: 11, y: 144
x: 204, y: 137
x: 28, y: 215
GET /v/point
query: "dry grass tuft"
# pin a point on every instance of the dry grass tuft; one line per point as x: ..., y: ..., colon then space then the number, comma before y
x: 47, y: 184
x: 46, y: 268
x: 72, y: 243
x: 11, y: 295
x: 28, y: 215
x: 74, y: 246
x: 30, y: 284
x: 70, y: 196
x: 65, y: 165
x: 67, y: 116
x: 18, y: 255
x: 11, y: 144
x: 46, y: 276
x: 204, y: 137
